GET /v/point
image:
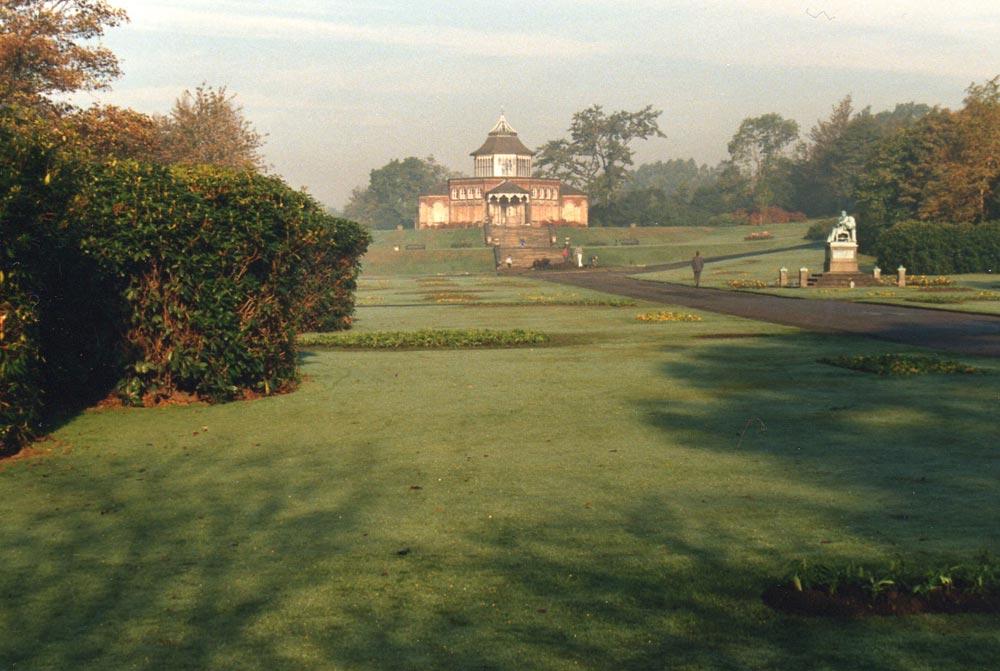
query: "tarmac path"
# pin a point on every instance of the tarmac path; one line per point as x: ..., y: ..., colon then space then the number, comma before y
x: 963, y: 333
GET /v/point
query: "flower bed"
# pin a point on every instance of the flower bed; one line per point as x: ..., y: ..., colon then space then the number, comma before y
x: 664, y: 316
x: 425, y: 339
x: 854, y: 590
x: 899, y: 364
x: 748, y: 284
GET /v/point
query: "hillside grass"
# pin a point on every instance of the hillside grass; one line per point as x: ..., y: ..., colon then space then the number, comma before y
x: 977, y: 293
x: 442, y: 255
x: 618, y: 502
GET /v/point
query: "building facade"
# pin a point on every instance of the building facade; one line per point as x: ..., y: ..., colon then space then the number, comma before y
x: 503, y: 192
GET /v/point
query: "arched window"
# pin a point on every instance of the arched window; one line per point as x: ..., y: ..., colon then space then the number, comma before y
x: 454, y: 194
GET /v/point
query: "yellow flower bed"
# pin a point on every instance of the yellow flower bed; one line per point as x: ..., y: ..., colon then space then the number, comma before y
x: 665, y: 316
x: 748, y: 284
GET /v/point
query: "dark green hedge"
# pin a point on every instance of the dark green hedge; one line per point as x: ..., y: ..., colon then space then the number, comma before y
x: 36, y: 182
x: 928, y: 248
x: 155, y: 279
x: 220, y: 270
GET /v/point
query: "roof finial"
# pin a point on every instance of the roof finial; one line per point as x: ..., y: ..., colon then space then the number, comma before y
x: 502, y: 127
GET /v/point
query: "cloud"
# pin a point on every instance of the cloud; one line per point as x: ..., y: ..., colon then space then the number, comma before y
x: 296, y: 26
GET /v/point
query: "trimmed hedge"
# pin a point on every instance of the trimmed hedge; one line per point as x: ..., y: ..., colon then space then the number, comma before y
x: 36, y: 182
x: 937, y: 249
x: 158, y: 279
x: 219, y: 269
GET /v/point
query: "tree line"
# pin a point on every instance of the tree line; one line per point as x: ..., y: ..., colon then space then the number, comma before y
x: 913, y: 161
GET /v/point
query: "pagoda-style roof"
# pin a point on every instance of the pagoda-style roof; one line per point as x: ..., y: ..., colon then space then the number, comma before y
x: 503, y: 140
x: 508, y: 188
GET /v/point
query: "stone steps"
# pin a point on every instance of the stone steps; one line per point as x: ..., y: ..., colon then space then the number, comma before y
x: 842, y: 280
x: 522, y: 258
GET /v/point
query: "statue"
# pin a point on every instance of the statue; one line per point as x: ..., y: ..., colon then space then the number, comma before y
x: 846, y: 229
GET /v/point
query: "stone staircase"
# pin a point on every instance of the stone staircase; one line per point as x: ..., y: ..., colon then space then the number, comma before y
x: 537, y: 245
x: 841, y: 280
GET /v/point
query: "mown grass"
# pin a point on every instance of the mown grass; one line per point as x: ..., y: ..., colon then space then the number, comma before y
x: 657, y: 245
x: 619, y: 503
x: 969, y: 293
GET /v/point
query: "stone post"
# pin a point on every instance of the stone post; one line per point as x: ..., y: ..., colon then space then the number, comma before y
x: 877, y: 274
x: 803, y: 277
x: 783, y: 277
x: 901, y: 279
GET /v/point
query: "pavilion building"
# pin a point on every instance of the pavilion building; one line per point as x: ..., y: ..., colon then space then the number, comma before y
x: 503, y: 192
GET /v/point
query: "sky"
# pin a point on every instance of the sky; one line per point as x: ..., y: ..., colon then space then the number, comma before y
x: 342, y: 87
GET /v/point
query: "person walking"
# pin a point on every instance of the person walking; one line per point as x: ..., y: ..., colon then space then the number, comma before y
x: 697, y: 265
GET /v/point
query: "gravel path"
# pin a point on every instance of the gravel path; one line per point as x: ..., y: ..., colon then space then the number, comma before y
x: 938, y: 329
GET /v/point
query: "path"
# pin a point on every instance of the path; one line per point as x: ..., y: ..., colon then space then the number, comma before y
x: 951, y: 331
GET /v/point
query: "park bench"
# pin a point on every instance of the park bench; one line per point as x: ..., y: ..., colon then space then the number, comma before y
x: 628, y: 241
x: 416, y: 247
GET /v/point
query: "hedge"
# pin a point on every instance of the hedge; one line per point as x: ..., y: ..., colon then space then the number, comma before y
x: 154, y: 279
x: 36, y: 181
x: 937, y: 249
x: 218, y: 273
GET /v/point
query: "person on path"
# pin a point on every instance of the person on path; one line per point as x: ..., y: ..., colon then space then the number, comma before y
x: 697, y: 265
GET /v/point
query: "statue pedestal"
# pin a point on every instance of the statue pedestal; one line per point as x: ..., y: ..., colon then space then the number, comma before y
x: 841, y: 257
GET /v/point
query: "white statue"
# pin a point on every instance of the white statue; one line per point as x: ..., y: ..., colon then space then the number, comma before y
x: 846, y: 229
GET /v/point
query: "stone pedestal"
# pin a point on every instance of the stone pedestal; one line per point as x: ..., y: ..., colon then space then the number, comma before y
x: 841, y: 257
x: 803, y: 277
x: 783, y: 277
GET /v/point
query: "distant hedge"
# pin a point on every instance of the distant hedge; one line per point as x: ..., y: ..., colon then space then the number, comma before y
x: 937, y: 249
x: 154, y: 279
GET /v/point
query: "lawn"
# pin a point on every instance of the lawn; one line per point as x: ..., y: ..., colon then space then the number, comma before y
x: 616, y: 499
x: 463, y: 251
x: 969, y: 293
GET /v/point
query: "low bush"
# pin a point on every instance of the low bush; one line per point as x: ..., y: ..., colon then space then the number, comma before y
x: 939, y: 249
x: 820, y: 230
x: 426, y: 339
x: 899, y: 364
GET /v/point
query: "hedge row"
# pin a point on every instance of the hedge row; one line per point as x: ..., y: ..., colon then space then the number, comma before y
x: 153, y: 279
x: 937, y: 249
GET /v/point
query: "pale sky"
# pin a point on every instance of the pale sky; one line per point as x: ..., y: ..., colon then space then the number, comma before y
x: 342, y: 87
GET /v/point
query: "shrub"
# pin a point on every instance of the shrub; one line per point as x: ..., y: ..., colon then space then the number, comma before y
x: 939, y: 249
x: 42, y: 280
x: 162, y: 279
x: 820, y: 230
x: 217, y: 267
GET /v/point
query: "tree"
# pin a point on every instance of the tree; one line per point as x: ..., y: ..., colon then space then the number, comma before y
x: 43, y: 50
x: 966, y: 184
x: 598, y: 153
x: 390, y: 198
x: 676, y: 177
x: 830, y: 166
x: 757, y: 150
x: 113, y: 132
x: 208, y: 127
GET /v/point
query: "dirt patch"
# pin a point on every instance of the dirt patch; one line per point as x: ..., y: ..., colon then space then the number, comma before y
x: 42, y: 447
x: 858, y: 603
